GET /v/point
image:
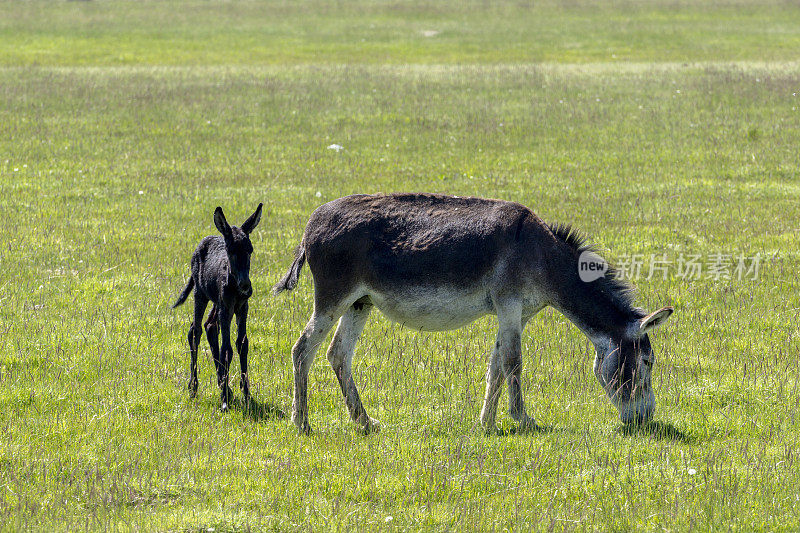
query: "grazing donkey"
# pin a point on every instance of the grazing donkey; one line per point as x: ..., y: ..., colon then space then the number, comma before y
x: 221, y: 275
x: 435, y: 262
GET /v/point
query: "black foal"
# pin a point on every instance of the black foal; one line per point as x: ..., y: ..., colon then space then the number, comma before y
x: 221, y: 275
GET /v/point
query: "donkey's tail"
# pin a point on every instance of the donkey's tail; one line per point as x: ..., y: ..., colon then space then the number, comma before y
x: 187, y: 290
x: 289, y: 280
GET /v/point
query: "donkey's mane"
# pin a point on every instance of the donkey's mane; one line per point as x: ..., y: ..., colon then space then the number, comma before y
x: 620, y: 291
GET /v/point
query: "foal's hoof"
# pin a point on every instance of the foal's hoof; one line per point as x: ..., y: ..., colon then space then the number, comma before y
x: 226, y: 397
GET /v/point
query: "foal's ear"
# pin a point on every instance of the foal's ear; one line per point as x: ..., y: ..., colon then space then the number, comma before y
x: 250, y: 224
x: 222, y: 224
x: 653, y: 320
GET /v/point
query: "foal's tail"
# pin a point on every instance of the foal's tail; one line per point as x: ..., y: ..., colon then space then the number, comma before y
x: 289, y: 280
x: 187, y: 290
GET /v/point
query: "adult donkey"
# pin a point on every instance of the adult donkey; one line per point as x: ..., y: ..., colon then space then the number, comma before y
x: 435, y: 262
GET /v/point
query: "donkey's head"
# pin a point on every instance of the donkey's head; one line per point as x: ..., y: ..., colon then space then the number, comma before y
x: 238, y: 247
x: 623, y: 365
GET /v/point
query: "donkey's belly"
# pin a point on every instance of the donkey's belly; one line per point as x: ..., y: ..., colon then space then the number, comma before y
x: 432, y: 309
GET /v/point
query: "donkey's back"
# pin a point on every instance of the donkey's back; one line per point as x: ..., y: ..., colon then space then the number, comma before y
x: 428, y: 261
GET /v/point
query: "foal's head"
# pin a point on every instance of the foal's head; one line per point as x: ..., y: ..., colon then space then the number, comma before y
x: 623, y: 366
x: 238, y: 247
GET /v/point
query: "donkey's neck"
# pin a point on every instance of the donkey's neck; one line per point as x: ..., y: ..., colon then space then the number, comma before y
x: 600, y: 309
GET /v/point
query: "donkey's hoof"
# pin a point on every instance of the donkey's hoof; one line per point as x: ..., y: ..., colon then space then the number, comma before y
x: 303, y: 427
x: 224, y: 407
x: 488, y: 424
x: 528, y: 424
x: 372, y: 426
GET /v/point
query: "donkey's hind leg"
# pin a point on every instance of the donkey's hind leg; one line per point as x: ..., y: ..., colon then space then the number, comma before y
x: 303, y: 353
x: 340, y: 356
x: 195, y: 333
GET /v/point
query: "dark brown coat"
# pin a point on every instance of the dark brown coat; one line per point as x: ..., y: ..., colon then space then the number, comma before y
x: 439, y: 262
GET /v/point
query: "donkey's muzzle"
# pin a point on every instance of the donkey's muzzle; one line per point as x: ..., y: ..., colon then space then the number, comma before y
x: 246, y: 289
x: 636, y: 418
x: 639, y: 410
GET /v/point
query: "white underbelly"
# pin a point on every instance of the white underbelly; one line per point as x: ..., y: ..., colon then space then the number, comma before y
x: 432, y: 309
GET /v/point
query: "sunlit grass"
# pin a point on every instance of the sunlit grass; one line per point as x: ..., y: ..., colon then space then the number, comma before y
x: 109, y: 176
x: 377, y: 32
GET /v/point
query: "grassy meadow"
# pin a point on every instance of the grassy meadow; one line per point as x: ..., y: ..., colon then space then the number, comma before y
x: 662, y: 127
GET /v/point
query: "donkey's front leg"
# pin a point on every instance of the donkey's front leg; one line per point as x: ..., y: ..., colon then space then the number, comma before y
x: 340, y: 356
x: 225, y: 356
x: 243, y: 346
x: 303, y: 354
x: 195, y: 333
x: 509, y: 347
x: 494, y: 386
x: 212, y: 334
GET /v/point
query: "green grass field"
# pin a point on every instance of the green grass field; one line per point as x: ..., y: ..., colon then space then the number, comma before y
x: 656, y: 127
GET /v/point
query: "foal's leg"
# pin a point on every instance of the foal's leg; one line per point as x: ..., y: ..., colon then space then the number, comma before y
x: 195, y: 333
x: 340, y: 356
x: 225, y: 356
x: 303, y: 354
x: 243, y: 346
x: 212, y: 334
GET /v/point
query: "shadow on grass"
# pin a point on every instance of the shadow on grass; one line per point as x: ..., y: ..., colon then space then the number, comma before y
x: 536, y: 430
x: 657, y: 430
x: 255, y: 411
x: 258, y: 412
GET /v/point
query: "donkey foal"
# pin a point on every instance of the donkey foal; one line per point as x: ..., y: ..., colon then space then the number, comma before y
x: 221, y: 275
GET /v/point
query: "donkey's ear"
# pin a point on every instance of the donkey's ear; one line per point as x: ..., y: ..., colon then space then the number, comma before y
x: 250, y: 224
x: 653, y: 320
x: 222, y: 224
